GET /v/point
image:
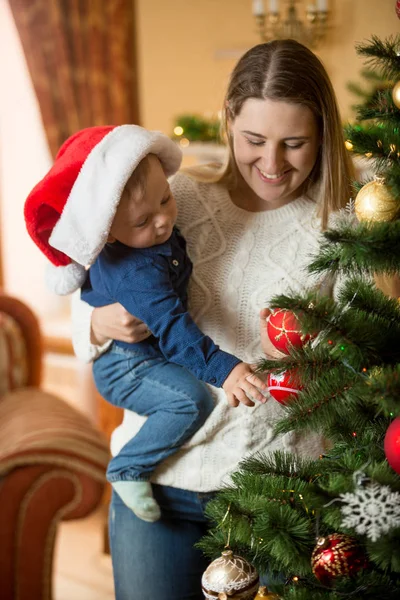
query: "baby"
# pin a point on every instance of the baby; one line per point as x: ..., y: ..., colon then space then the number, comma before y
x: 106, y: 203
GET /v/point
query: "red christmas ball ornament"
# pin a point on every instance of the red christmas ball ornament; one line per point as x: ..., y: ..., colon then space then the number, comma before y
x: 284, y: 330
x: 335, y: 556
x: 398, y: 8
x: 392, y: 445
x: 284, y: 387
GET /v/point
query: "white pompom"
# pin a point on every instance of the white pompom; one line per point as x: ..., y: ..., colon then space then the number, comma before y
x: 65, y: 280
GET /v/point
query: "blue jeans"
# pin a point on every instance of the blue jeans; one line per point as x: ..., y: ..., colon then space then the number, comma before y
x: 175, y: 402
x: 157, y: 560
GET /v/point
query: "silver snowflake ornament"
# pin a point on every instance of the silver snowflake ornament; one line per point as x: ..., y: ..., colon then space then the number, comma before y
x: 371, y: 510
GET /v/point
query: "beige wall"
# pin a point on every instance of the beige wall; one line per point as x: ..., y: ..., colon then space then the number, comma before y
x: 179, y: 41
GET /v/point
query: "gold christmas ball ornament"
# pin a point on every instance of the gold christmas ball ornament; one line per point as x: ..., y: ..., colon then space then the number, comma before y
x: 396, y: 94
x: 230, y: 577
x: 374, y: 202
x: 264, y: 594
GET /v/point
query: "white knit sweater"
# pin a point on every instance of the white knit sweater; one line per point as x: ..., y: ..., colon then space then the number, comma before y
x: 240, y: 260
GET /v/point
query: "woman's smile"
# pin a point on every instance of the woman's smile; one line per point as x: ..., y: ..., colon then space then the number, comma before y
x: 275, y: 178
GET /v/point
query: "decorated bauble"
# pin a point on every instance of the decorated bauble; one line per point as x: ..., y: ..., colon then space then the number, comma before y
x: 374, y: 202
x: 396, y: 94
x: 398, y: 8
x: 335, y: 556
x: 230, y: 577
x: 284, y: 330
x: 264, y: 594
x: 392, y: 445
x: 284, y: 387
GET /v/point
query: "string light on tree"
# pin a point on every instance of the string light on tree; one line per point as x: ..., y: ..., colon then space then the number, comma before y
x: 349, y: 146
x: 178, y: 130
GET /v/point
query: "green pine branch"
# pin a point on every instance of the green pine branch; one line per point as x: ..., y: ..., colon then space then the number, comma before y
x: 384, y: 390
x: 325, y: 401
x: 381, y: 56
x: 380, y: 142
x: 357, y: 90
x: 360, y: 249
x: 381, y: 108
x: 366, y: 586
x: 373, y: 76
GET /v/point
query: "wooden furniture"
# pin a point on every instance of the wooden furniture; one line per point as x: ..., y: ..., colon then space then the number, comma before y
x: 52, y: 460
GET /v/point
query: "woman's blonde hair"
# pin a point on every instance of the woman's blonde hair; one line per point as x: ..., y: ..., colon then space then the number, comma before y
x: 287, y: 71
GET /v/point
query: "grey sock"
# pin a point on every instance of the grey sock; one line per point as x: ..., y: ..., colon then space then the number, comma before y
x: 138, y: 496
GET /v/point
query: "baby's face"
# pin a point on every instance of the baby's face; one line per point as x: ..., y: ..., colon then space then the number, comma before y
x: 144, y: 220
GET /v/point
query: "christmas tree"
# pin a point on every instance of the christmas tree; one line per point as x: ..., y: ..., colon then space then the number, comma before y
x: 331, y: 526
x: 367, y: 92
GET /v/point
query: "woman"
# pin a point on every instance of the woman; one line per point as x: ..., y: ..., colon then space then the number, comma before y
x: 250, y: 227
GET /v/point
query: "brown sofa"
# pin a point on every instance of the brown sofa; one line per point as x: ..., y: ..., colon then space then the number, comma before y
x: 52, y: 460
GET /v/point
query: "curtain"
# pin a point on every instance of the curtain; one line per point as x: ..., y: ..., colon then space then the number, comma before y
x: 81, y: 57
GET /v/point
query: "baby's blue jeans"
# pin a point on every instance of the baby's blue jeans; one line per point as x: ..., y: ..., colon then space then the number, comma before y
x: 175, y: 402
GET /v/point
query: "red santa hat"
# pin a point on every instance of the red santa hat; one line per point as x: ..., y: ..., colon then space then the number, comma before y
x: 69, y: 212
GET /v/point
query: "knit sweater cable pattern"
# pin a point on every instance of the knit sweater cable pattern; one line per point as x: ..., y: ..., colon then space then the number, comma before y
x: 241, y: 259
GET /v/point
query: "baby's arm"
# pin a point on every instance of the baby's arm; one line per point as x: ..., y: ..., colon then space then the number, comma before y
x: 155, y: 302
x: 240, y: 383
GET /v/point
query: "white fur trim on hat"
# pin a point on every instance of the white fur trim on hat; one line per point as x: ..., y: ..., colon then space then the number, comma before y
x: 65, y: 280
x: 83, y: 227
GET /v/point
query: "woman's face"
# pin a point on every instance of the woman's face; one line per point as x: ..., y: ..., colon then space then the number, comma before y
x: 275, y: 146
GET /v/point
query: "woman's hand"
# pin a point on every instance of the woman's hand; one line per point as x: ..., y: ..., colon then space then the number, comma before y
x: 114, y: 322
x: 268, y: 348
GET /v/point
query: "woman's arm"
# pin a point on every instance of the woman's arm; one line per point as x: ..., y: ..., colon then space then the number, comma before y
x: 115, y: 322
x: 93, y: 329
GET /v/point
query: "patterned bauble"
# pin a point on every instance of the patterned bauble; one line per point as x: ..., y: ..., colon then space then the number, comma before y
x: 230, y: 577
x: 398, y: 8
x: 396, y: 94
x: 264, y: 594
x: 284, y: 387
x: 335, y: 556
x: 374, y: 202
x: 392, y: 445
x: 284, y: 330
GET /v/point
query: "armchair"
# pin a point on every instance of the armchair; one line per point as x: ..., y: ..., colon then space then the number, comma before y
x: 52, y: 460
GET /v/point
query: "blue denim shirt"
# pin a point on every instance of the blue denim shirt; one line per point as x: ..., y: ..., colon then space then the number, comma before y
x: 151, y: 283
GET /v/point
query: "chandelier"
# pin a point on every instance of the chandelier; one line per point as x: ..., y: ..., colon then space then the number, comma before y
x: 273, y: 24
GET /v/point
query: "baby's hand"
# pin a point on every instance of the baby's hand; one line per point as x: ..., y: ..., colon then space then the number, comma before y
x: 241, y: 381
x: 268, y: 348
